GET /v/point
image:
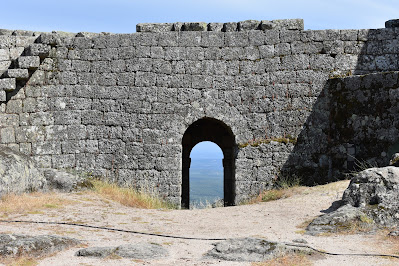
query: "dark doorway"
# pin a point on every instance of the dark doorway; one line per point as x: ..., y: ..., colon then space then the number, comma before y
x: 209, y: 129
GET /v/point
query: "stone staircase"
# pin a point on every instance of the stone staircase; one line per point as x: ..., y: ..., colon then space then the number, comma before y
x: 22, y: 69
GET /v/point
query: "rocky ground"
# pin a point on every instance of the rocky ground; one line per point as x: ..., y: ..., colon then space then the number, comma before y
x: 282, y: 220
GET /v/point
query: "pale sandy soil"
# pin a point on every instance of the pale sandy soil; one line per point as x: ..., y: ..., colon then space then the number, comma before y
x: 277, y: 221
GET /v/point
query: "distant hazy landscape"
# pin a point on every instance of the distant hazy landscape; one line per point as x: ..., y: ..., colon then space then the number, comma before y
x: 206, y: 181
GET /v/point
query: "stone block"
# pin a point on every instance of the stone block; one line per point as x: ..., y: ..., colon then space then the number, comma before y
x: 125, y: 79
x: 212, y: 39
x: 333, y: 47
x: 6, y: 32
x: 16, y: 52
x: 63, y: 161
x: 3, y: 96
x: 266, y: 25
x: 67, y: 117
x: 111, y: 145
x: 46, y: 148
x: 178, y: 26
x: 7, y: 135
x: 82, y: 42
x: 295, y: 62
x: 393, y: 23
x: 25, y: 148
x: 7, y: 84
x: 147, y: 39
x: 4, y: 55
x: 215, y: 27
x: 288, y: 24
x: 256, y: 38
x: 109, y: 54
x: 143, y: 51
x: 195, y: 26
x: 89, y: 54
x: 17, y: 73
x: 22, y: 33
x: 230, y: 26
x: 272, y: 37
x: 168, y: 39
x: 38, y: 49
x: 14, y: 106
x: 187, y: 38
x: 162, y: 67
x: 236, y: 39
x: 289, y: 36
x: 157, y: 52
x: 175, y: 53
x: 29, y: 62
x: 349, y: 35
x: 248, y: 25
x: 282, y: 49
x: 154, y: 27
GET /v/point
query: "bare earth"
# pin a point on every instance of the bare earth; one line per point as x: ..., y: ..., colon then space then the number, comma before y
x: 279, y: 220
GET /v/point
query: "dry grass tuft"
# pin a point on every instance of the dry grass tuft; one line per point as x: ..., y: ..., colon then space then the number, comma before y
x: 287, y: 260
x: 20, y: 261
x: 129, y: 197
x: 284, y: 188
x: 30, y: 203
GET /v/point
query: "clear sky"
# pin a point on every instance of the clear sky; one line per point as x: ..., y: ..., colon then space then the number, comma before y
x: 206, y: 150
x: 121, y: 16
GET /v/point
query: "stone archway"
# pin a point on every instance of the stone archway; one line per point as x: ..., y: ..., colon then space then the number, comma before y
x: 209, y: 129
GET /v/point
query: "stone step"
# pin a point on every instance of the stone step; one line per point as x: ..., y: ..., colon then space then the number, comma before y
x: 28, y: 62
x: 38, y: 49
x: 19, y: 74
x: 8, y: 84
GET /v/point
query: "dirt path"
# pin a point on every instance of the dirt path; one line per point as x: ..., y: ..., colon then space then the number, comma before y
x: 277, y: 221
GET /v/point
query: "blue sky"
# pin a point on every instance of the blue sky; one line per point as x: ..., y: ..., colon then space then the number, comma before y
x: 121, y: 16
x: 206, y: 150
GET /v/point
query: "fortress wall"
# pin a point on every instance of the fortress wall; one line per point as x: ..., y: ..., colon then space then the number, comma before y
x: 118, y: 105
x: 364, y: 116
x: 12, y: 46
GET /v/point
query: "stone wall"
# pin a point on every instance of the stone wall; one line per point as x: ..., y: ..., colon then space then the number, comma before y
x: 118, y: 105
x: 364, y: 118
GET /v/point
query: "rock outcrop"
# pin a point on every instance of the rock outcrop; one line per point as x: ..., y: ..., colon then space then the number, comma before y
x: 18, y: 173
x: 134, y: 251
x: 252, y: 249
x: 372, y: 198
x: 22, y: 245
x: 63, y: 181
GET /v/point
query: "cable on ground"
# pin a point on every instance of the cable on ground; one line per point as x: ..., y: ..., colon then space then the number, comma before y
x: 192, y: 238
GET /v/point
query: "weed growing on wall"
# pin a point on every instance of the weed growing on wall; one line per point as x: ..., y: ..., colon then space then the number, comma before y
x: 256, y: 142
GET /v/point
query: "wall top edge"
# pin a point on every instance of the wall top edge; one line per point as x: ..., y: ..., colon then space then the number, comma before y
x: 247, y: 25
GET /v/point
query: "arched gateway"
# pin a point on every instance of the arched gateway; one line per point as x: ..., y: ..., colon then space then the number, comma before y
x: 209, y: 129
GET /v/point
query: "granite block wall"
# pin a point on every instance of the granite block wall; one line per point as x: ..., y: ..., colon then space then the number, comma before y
x: 118, y: 105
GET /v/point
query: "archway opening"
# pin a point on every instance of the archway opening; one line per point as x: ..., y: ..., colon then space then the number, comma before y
x: 206, y: 175
x: 213, y: 130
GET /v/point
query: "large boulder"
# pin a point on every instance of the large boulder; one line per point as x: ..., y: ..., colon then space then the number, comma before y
x: 18, y: 173
x: 372, y: 198
x: 23, y: 245
x: 376, y: 191
x: 65, y: 182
